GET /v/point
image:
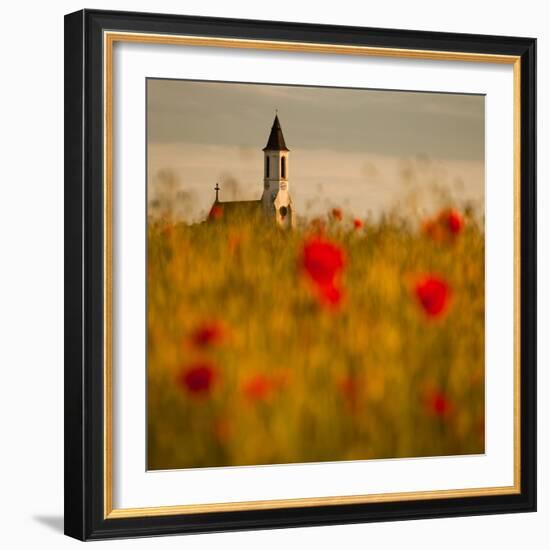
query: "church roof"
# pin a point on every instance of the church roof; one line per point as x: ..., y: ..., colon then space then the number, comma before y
x: 276, y: 141
x: 234, y: 210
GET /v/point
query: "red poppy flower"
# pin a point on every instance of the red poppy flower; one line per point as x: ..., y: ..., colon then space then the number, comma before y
x: 437, y: 404
x: 322, y: 260
x: 208, y: 334
x: 330, y: 295
x: 323, y: 263
x: 433, y: 295
x: 350, y: 391
x: 446, y: 226
x: 454, y: 221
x: 197, y: 378
x: 357, y: 223
x: 216, y: 212
x: 258, y: 388
x: 337, y: 214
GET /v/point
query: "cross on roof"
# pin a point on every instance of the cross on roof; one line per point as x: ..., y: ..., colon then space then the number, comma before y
x: 217, y: 188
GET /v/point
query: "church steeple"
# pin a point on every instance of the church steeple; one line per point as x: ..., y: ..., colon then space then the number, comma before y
x: 276, y: 202
x: 276, y: 196
x: 276, y: 141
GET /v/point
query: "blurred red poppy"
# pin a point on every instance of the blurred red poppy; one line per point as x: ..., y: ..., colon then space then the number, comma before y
x: 330, y: 295
x: 433, y: 295
x: 445, y: 227
x: 197, y: 378
x: 454, y: 221
x: 322, y: 260
x: 259, y: 387
x: 357, y: 223
x: 216, y: 212
x: 337, y: 214
x: 323, y: 263
x: 208, y: 334
x: 438, y: 404
x: 350, y: 391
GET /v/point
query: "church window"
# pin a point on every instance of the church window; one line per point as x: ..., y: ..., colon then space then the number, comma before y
x: 283, y: 211
x: 267, y: 167
x: 283, y: 167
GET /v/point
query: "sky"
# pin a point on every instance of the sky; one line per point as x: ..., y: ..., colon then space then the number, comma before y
x: 369, y: 152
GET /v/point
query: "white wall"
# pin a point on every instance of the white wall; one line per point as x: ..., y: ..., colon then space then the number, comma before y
x: 31, y: 226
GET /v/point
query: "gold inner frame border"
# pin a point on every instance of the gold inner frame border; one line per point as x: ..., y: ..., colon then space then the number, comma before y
x: 109, y: 39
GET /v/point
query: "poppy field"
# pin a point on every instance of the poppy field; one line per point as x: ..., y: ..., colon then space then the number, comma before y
x: 343, y: 339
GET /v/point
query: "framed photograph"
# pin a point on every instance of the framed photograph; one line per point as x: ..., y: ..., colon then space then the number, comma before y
x: 300, y: 283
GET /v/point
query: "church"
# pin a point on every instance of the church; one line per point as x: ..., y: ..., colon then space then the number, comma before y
x: 275, y: 203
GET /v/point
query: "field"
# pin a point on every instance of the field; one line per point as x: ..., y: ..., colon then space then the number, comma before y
x: 340, y: 340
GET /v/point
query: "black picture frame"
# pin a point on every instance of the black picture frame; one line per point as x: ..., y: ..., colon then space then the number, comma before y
x: 84, y: 280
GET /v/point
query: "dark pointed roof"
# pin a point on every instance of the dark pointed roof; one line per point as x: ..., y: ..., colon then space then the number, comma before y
x: 276, y: 141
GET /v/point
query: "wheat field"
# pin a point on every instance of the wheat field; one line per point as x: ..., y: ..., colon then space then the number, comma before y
x: 339, y: 340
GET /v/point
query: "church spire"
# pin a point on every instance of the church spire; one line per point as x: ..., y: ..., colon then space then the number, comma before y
x: 276, y: 141
x: 276, y: 196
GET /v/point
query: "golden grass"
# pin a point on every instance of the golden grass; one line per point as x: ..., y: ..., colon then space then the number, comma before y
x: 294, y: 380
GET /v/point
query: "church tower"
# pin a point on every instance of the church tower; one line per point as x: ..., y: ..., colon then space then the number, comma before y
x: 276, y: 198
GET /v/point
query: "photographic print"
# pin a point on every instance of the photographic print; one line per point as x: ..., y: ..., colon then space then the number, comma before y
x: 315, y: 274
x: 300, y: 274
